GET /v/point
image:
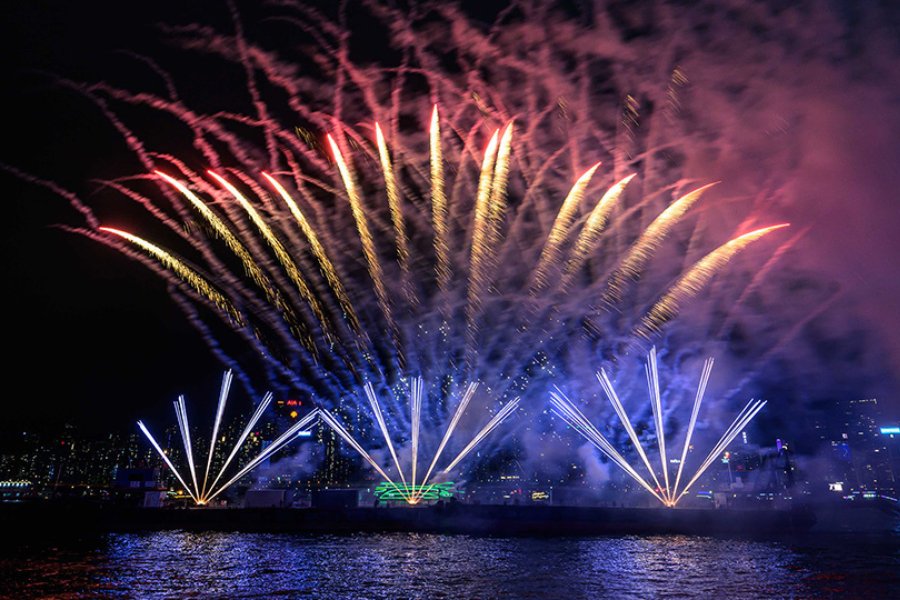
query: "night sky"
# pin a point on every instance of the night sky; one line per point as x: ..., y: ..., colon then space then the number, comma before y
x: 108, y: 345
x: 105, y: 340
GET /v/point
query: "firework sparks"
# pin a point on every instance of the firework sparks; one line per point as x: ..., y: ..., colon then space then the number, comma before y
x: 318, y: 250
x: 489, y: 239
x: 439, y: 203
x: 667, y: 494
x: 196, y: 281
x: 228, y: 237
x: 364, y: 262
x: 393, y: 197
x: 497, y: 203
x: 646, y: 245
x: 281, y: 254
x: 690, y: 284
x: 560, y: 229
x: 477, y: 268
x: 486, y: 245
x: 303, y: 262
x: 588, y: 239
x: 365, y: 234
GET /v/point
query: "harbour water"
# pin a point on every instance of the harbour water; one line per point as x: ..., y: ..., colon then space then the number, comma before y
x: 177, y: 564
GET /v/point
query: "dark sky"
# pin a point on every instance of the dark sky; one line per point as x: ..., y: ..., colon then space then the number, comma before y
x: 102, y: 338
x: 94, y: 338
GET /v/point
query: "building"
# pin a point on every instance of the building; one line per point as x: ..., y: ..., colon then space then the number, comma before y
x: 862, y: 448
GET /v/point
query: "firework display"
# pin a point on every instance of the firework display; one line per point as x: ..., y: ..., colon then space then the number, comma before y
x: 328, y: 322
x: 663, y: 488
x: 411, y: 488
x: 527, y: 299
x: 210, y: 488
x: 412, y: 221
x: 310, y: 305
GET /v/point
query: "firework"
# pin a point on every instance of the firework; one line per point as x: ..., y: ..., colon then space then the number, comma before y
x: 319, y: 252
x: 692, y: 282
x: 439, y: 202
x: 410, y: 488
x: 566, y: 248
x: 661, y: 489
x: 407, y: 219
x: 648, y: 243
x: 587, y: 241
x: 203, y: 493
x: 477, y: 285
x: 365, y: 234
x: 192, y: 277
x: 393, y: 197
x: 561, y: 226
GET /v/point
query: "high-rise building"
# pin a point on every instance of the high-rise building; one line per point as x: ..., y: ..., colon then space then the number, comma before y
x: 863, y: 448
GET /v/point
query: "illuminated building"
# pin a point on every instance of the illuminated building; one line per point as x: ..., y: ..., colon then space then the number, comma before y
x: 863, y: 449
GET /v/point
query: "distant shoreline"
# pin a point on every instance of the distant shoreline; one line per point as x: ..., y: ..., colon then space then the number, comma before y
x: 447, y: 518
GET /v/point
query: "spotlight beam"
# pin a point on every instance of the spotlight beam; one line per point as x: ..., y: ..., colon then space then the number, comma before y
x: 501, y: 416
x: 246, y: 432
x: 181, y: 415
x: 329, y: 420
x: 569, y: 413
x: 460, y: 409
x: 303, y: 424
x: 414, y: 490
x: 656, y: 404
x: 607, y: 386
x: 563, y: 408
x: 415, y: 406
x: 166, y: 460
x: 736, y: 427
x: 698, y: 399
x: 379, y: 417
x: 220, y: 409
x: 204, y: 494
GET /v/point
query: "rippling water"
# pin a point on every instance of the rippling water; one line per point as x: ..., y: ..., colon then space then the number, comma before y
x: 200, y: 565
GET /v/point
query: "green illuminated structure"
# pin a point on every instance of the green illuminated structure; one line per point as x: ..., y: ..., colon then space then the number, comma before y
x: 387, y: 491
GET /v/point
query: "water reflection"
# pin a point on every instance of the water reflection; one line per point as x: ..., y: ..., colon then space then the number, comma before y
x: 202, y: 565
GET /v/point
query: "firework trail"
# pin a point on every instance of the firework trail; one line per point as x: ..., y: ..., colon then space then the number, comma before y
x: 647, y: 245
x: 368, y: 243
x: 193, y: 278
x: 393, y: 197
x: 477, y: 284
x: 589, y: 238
x: 560, y: 229
x: 225, y: 233
x: 439, y: 203
x: 318, y: 251
x: 281, y: 254
x: 692, y: 282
